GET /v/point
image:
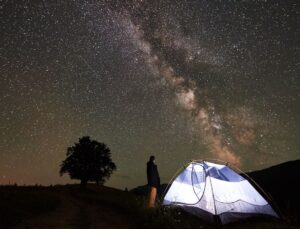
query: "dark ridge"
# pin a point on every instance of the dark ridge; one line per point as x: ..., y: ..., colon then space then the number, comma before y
x: 281, y: 183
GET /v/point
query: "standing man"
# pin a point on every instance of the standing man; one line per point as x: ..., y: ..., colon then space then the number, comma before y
x: 153, y: 181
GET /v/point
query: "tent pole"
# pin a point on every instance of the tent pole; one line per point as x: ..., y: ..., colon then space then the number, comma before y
x: 173, y: 178
x: 216, y: 217
x: 268, y: 197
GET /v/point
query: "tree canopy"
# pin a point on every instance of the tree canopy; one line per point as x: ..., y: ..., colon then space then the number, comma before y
x: 88, y: 160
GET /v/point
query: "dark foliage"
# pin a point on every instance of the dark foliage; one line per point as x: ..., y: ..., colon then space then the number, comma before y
x: 88, y: 160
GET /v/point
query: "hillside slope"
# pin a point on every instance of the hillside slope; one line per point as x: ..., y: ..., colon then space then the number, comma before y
x: 281, y: 183
x: 73, y: 207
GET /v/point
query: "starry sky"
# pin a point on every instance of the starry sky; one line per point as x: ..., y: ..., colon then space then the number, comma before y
x: 179, y: 79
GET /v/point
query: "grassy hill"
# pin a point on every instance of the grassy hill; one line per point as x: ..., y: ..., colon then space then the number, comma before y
x: 17, y: 203
x: 69, y: 206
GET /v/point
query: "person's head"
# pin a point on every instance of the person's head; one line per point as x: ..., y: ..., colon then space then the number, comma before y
x: 152, y: 158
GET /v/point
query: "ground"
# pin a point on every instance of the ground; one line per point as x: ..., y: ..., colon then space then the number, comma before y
x: 70, y: 206
x: 76, y: 212
x: 73, y: 208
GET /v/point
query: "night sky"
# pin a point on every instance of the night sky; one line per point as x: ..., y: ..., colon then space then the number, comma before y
x: 179, y: 79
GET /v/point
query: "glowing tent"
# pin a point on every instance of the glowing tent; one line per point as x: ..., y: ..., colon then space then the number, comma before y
x: 215, y: 192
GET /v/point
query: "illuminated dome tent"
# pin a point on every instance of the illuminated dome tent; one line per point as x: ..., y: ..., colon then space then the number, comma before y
x: 215, y: 192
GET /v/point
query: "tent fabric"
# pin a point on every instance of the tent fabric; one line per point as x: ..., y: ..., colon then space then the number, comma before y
x: 211, y: 190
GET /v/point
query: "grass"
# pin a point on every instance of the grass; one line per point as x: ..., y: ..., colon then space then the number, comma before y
x: 18, y: 203
x: 162, y: 217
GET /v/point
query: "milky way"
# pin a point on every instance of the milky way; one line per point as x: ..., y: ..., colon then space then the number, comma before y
x: 181, y: 80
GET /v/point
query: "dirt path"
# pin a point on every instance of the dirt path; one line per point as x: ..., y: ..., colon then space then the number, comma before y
x: 75, y: 213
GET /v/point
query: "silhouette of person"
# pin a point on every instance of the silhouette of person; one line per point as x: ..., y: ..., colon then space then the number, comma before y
x: 153, y: 181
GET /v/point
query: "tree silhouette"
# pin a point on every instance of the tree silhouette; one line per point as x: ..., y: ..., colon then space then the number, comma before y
x: 88, y: 160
